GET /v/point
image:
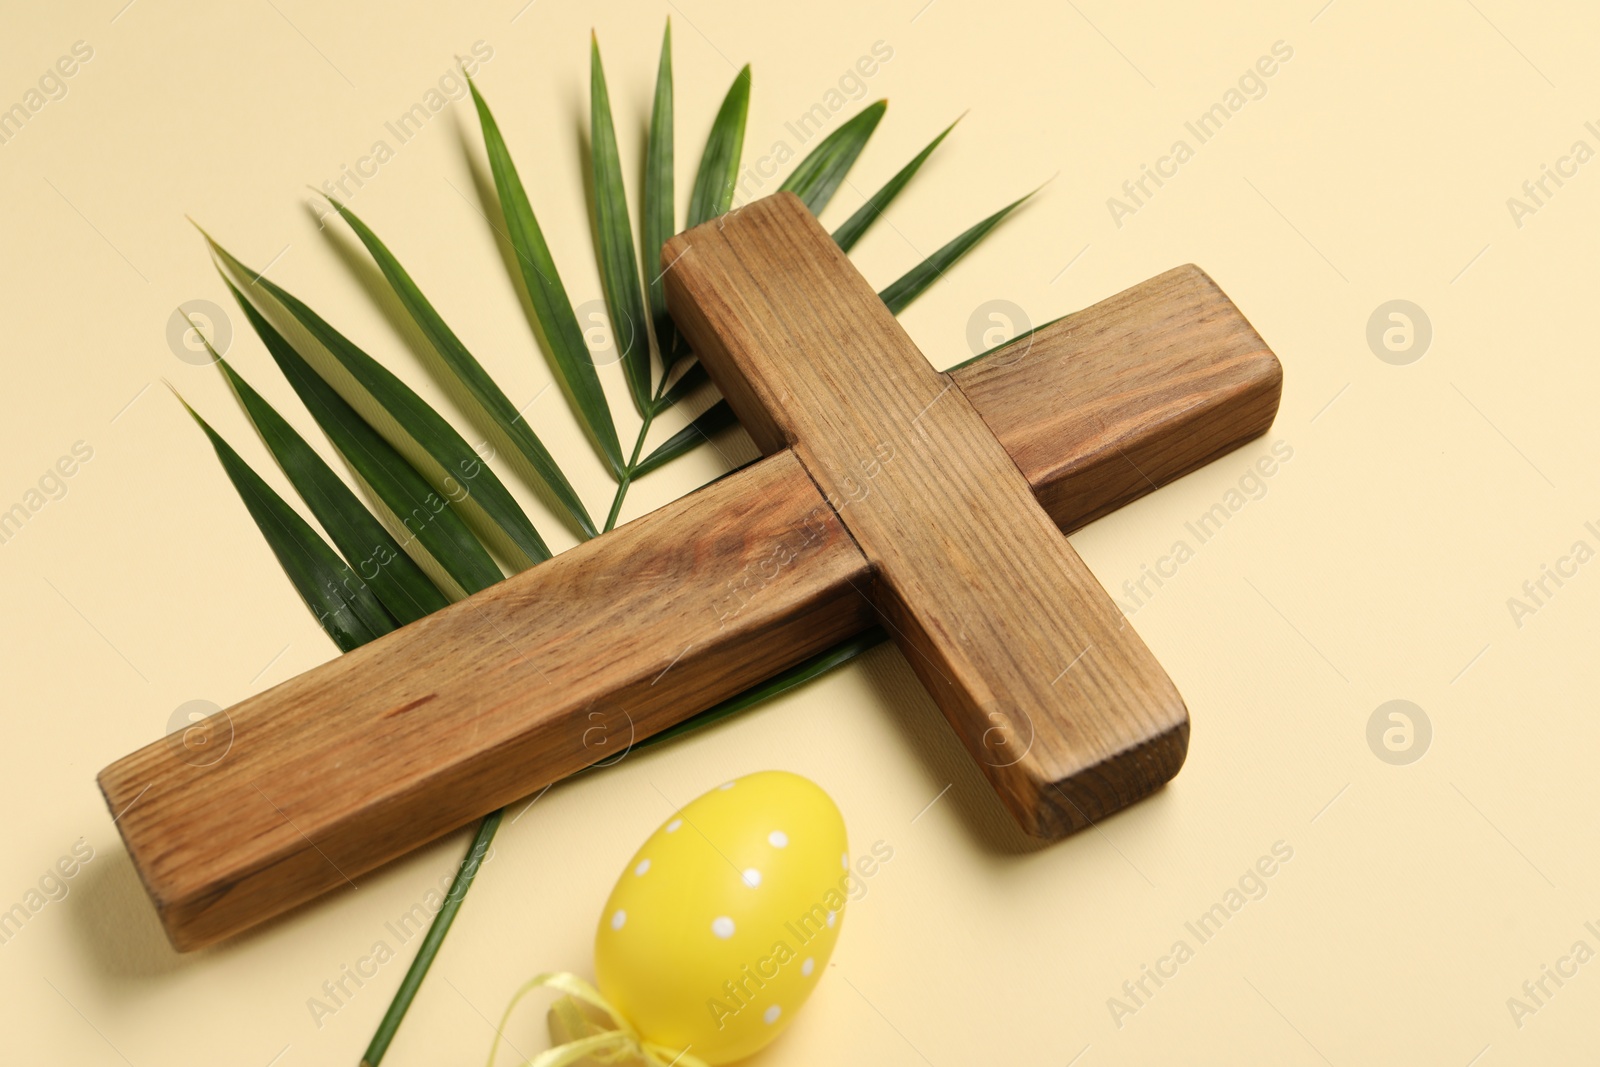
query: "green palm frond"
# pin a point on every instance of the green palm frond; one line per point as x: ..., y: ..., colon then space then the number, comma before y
x: 820, y: 174
x: 445, y: 546
x: 436, y: 507
x: 687, y: 382
x: 399, y: 584
x: 914, y: 282
x: 778, y: 684
x: 718, y: 176
x: 342, y: 603
x: 429, y: 443
x: 718, y: 416
x: 557, y: 320
x: 659, y: 211
x: 619, y: 269
x: 470, y: 373
x: 858, y: 224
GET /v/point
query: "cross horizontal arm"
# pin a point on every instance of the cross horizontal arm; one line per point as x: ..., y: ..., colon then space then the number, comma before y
x: 1108, y: 403
x: 385, y: 748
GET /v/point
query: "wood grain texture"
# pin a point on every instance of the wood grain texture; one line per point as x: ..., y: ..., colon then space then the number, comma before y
x: 381, y: 750
x: 1105, y: 405
x: 1059, y: 701
x: 386, y: 747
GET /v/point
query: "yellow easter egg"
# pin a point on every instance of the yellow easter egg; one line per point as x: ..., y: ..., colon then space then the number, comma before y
x: 723, y: 921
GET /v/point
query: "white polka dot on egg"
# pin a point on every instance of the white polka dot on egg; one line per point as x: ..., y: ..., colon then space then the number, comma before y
x: 672, y: 826
x: 808, y: 966
x: 618, y: 919
x: 722, y: 926
x: 831, y: 916
x: 771, y: 1014
x: 644, y: 865
x: 844, y: 861
x: 725, y: 786
x: 752, y: 877
x: 778, y: 839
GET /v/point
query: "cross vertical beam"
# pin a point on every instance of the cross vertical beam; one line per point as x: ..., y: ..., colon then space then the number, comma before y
x: 1055, y: 696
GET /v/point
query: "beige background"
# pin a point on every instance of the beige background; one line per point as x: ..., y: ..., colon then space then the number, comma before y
x: 1377, y: 566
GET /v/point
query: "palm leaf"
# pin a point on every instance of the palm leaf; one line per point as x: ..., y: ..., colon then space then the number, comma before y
x: 719, y: 163
x: 341, y: 602
x: 470, y: 372
x: 716, y: 417
x: 659, y: 211
x: 820, y: 174
x: 477, y: 853
x: 422, y: 445
x: 442, y: 537
x: 399, y: 584
x: 856, y: 225
x: 799, y: 674
x: 548, y: 296
x: 1004, y: 344
x: 913, y: 282
x: 688, y: 382
x: 429, y: 443
x: 619, y: 269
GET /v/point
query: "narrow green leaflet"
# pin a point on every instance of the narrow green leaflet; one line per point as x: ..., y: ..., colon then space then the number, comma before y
x: 397, y: 581
x: 341, y: 602
x: 470, y: 372
x: 913, y: 282
x: 424, y: 437
x: 1004, y: 344
x: 408, y: 496
x: 548, y: 296
x: 820, y: 174
x: 719, y: 163
x: 856, y: 225
x: 692, y: 379
x: 797, y: 675
x: 716, y: 417
x: 659, y: 211
x: 619, y: 270
x: 442, y: 920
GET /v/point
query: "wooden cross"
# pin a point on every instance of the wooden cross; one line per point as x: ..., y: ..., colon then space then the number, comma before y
x: 931, y: 504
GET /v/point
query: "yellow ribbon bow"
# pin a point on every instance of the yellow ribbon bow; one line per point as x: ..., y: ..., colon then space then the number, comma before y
x: 609, y: 1046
